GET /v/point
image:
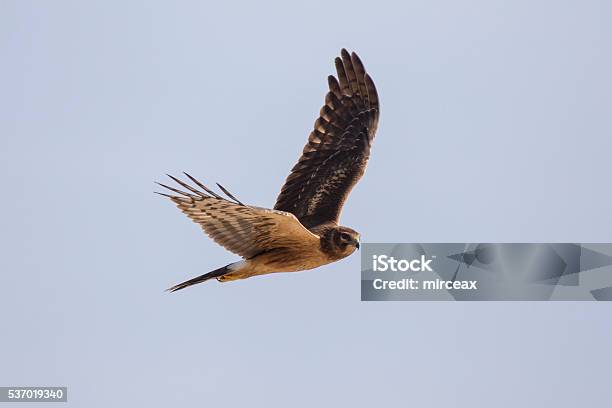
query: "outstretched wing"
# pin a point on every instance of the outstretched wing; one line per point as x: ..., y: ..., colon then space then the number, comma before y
x: 242, y: 229
x: 338, y: 148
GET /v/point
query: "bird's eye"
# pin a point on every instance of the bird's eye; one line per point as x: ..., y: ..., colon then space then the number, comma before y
x: 344, y: 236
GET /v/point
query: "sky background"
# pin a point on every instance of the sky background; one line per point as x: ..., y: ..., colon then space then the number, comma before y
x: 495, y: 127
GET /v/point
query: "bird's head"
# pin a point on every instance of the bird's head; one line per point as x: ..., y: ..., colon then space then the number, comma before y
x: 342, y: 241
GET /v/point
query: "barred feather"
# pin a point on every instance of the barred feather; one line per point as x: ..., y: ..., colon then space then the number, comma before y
x: 242, y: 229
x: 337, y: 152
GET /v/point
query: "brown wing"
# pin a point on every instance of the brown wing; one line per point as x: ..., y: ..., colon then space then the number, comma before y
x: 242, y: 229
x: 338, y: 148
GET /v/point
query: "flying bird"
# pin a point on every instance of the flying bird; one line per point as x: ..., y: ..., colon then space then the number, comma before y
x: 302, y: 231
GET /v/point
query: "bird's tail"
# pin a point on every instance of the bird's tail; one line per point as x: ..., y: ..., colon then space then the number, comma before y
x: 217, y: 273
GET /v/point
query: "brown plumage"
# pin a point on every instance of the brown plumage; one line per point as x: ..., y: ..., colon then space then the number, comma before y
x: 338, y: 148
x: 302, y: 230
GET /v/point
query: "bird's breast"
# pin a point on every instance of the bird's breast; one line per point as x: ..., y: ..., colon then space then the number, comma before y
x: 289, y: 260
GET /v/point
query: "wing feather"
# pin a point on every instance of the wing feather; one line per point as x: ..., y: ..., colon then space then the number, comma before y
x: 242, y: 229
x: 336, y: 155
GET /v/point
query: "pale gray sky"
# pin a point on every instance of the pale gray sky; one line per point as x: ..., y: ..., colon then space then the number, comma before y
x: 495, y: 126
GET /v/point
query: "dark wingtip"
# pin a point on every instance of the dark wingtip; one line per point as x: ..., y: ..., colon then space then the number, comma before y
x: 356, y: 58
x: 202, y: 186
x: 176, y: 190
x: 230, y: 195
x: 163, y: 194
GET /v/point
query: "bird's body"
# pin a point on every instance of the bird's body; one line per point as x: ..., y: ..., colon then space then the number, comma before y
x: 284, y: 259
x: 302, y: 231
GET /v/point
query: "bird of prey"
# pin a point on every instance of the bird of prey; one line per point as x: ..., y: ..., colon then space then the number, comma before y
x: 302, y: 231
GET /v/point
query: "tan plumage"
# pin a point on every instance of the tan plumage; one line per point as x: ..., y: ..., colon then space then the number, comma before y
x: 302, y: 230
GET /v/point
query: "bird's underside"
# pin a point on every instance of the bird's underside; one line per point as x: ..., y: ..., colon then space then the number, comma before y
x: 302, y: 230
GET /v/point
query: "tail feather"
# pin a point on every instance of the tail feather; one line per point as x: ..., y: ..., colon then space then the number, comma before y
x: 202, y: 278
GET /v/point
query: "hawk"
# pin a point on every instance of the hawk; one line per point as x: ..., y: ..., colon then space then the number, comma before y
x: 302, y: 231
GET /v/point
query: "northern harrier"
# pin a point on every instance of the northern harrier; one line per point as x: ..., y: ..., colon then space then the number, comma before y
x: 302, y: 231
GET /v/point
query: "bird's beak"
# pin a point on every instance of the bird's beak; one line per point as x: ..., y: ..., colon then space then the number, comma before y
x: 357, y: 244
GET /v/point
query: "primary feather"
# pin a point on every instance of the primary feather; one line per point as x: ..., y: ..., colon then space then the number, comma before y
x: 242, y: 229
x: 337, y: 152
